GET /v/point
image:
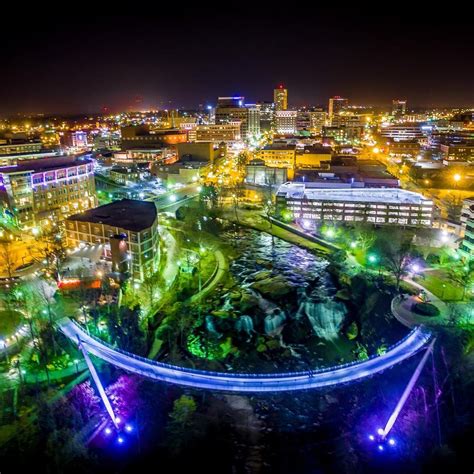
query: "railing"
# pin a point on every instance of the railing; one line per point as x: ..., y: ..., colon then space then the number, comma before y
x: 425, y: 334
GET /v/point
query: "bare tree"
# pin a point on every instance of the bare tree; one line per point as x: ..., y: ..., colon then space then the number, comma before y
x: 7, y: 258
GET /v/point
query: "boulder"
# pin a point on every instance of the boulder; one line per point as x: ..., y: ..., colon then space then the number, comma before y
x: 274, y: 288
x: 248, y: 302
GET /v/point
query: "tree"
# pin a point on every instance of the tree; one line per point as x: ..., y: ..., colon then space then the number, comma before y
x: 7, y: 258
x: 52, y: 253
x: 396, y: 251
x: 463, y: 275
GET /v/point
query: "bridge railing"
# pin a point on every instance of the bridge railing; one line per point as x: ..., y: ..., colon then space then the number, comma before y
x: 250, y: 375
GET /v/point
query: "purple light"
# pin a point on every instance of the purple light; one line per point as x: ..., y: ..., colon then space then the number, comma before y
x: 128, y: 428
x: 380, y: 447
x: 120, y: 440
x: 117, y: 420
x: 380, y: 431
x: 391, y: 442
x: 371, y: 437
x: 108, y: 431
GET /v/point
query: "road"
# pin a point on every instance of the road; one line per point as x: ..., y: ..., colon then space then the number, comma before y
x: 234, y: 382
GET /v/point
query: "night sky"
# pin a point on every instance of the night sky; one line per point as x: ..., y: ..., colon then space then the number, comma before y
x: 184, y: 57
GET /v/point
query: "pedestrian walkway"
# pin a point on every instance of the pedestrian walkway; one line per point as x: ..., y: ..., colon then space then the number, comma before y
x: 402, y: 304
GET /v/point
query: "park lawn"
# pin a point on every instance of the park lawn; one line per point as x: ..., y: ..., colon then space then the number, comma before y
x: 9, y: 321
x: 434, y: 281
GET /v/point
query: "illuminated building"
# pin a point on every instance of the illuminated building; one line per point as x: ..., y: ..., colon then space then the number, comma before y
x: 280, y: 98
x: 141, y: 155
x: 403, y: 132
x: 399, y: 107
x: 279, y: 156
x: 48, y: 190
x: 312, y: 156
x: 404, y: 148
x: 141, y: 136
x: 466, y: 249
x: 285, y: 122
x: 75, y: 139
x: 253, y: 120
x: 127, y: 232
x: 228, y: 132
x: 259, y: 174
x: 231, y: 110
x: 373, y: 205
x: 458, y: 151
x: 317, y: 120
x: 352, y: 124
x: 267, y: 112
x: 15, y: 158
x: 129, y: 174
x: 10, y: 146
x: 201, y: 151
x: 336, y: 105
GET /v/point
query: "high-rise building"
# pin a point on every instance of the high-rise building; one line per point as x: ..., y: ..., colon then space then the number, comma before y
x: 267, y: 113
x: 318, y: 118
x: 253, y: 120
x: 231, y: 110
x: 399, y: 107
x: 336, y: 104
x: 280, y: 98
x: 285, y: 121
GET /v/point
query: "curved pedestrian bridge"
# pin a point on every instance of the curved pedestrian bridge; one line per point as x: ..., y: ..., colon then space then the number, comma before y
x: 247, y: 382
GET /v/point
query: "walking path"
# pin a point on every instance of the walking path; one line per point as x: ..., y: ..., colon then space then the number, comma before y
x: 401, y: 308
x: 248, y: 382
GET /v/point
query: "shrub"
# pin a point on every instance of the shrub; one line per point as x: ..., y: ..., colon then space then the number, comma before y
x: 426, y: 309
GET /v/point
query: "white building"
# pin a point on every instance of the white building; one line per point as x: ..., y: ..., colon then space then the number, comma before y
x: 373, y: 205
x: 285, y: 121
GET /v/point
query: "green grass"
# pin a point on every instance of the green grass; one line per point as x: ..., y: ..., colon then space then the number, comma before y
x: 9, y: 321
x: 434, y: 281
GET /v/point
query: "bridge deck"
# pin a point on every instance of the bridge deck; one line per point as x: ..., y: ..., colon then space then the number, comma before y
x: 235, y: 382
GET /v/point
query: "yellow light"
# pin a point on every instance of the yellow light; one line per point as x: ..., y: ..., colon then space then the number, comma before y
x: 457, y: 177
x: 375, y: 150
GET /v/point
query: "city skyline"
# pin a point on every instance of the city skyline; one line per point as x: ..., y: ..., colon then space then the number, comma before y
x: 78, y: 65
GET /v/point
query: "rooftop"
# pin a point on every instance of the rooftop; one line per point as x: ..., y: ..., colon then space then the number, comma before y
x: 127, y: 214
x: 45, y: 164
x: 382, y: 195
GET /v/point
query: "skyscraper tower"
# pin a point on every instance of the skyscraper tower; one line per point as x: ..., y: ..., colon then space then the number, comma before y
x: 280, y: 98
x: 399, y: 107
x: 336, y: 104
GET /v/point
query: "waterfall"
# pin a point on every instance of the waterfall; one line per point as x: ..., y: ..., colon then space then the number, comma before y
x: 274, y: 322
x: 325, y: 318
x: 245, y: 324
x: 211, y: 327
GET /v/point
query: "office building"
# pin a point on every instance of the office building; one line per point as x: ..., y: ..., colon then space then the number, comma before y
x: 466, y: 249
x: 336, y: 105
x: 43, y: 191
x: 318, y: 119
x: 377, y: 206
x: 280, y: 98
x: 126, y: 231
x: 228, y: 132
x: 267, y: 116
x: 253, y: 120
x: 399, y: 107
x: 257, y: 173
x: 140, y: 136
x: 231, y: 110
x: 285, y: 122
x: 458, y: 151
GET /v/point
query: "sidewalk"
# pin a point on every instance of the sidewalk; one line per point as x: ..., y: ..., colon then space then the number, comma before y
x: 401, y: 308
